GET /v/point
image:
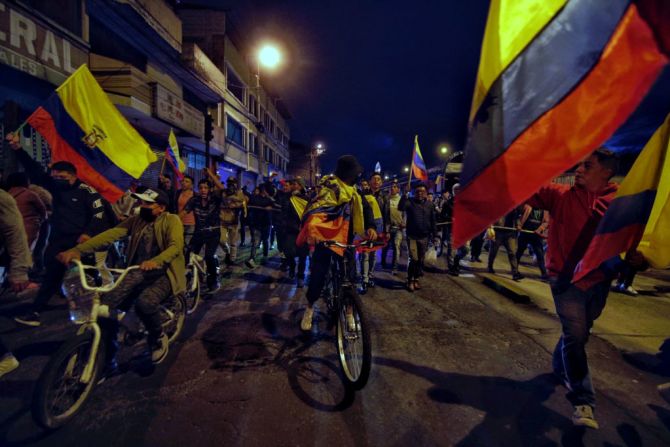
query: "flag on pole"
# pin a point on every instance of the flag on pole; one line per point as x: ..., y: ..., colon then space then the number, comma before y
x: 418, y: 166
x: 172, y: 156
x: 378, y: 168
x: 82, y: 126
x: 555, y: 80
x: 640, y: 213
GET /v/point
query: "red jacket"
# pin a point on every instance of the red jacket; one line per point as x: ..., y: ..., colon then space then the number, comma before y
x: 575, y: 214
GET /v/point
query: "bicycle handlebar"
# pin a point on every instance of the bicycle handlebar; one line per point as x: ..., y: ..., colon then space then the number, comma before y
x: 366, y: 243
x: 105, y: 288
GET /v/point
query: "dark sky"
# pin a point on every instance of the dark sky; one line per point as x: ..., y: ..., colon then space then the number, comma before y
x: 364, y: 77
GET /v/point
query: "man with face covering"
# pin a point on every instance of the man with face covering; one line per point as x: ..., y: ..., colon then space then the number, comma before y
x: 157, y: 246
x: 79, y: 213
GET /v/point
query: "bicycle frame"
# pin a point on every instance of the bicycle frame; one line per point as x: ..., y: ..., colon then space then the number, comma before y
x: 98, y: 309
x: 196, y: 262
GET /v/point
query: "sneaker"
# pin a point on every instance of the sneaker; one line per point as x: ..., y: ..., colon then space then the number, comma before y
x: 453, y: 271
x: 363, y: 289
x: 629, y: 291
x: 250, y: 263
x: 371, y: 284
x: 517, y: 276
x: 8, y: 363
x: 301, y: 283
x: 583, y: 417
x: 111, y: 369
x: 213, y: 288
x: 29, y: 319
x: 491, y: 270
x: 417, y: 286
x: 159, y: 349
x: 306, y: 323
x: 410, y: 286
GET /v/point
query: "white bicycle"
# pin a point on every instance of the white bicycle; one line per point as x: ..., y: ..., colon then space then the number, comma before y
x: 195, y: 274
x: 73, y: 371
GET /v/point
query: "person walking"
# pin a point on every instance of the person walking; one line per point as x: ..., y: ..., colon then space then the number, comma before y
x: 233, y: 204
x: 421, y: 226
x: 575, y: 212
x: 536, y: 221
x: 505, y: 234
x: 396, y: 226
x: 183, y: 196
x: 32, y: 209
x: 260, y: 207
x: 367, y: 259
x: 292, y: 211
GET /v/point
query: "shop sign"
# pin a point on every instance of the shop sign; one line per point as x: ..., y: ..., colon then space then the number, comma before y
x: 173, y: 109
x: 28, y: 45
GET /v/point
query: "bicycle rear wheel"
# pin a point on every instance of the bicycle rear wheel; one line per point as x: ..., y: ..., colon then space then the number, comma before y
x: 59, y: 393
x: 353, y: 340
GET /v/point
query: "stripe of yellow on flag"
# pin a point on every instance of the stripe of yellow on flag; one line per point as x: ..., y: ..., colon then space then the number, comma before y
x: 655, y: 167
x: 511, y: 26
x: 172, y: 141
x: 90, y: 107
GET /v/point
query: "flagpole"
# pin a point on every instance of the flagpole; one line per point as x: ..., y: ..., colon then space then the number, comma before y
x: 411, y: 166
x: 163, y: 165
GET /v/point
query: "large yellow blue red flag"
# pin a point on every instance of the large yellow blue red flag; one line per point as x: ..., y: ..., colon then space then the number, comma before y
x: 172, y: 156
x: 556, y: 79
x: 639, y: 216
x: 82, y: 126
x: 418, y: 166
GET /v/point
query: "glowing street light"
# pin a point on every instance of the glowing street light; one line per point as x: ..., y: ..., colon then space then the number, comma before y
x: 406, y: 169
x: 269, y: 56
x: 386, y: 177
x: 444, y: 150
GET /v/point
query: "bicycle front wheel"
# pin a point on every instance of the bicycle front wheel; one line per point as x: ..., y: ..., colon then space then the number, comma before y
x: 192, y: 295
x: 353, y: 340
x: 172, y: 314
x: 60, y: 394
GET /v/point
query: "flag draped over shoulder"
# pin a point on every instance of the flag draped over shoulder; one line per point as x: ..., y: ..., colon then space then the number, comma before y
x: 172, y: 156
x: 556, y: 79
x: 82, y: 126
x: 418, y: 166
x: 640, y: 213
x: 329, y: 215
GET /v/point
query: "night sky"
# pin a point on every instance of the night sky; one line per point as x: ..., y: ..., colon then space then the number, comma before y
x: 364, y: 77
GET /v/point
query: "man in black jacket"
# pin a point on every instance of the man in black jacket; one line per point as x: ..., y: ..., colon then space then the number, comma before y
x: 421, y: 225
x: 292, y: 208
x: 260, y: 219
x: 79, y: 213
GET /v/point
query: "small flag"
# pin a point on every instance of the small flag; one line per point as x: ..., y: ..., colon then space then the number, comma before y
x: 82, y: 126
x: 378, y: 168
x: 556, y: 79
x: 172, y: 156
x: 639, y: 216
x: 418, y: 166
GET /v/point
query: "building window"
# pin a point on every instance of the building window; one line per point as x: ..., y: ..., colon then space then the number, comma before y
x: 253, y: 143
x: 234, y: 131
x: 272, y: 127
x: 235, y: 85
x: 269, y: 153
x: 253, y: 106
x: 196, y: 160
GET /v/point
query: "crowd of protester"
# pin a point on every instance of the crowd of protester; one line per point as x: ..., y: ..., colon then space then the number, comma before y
x: 49, y: 219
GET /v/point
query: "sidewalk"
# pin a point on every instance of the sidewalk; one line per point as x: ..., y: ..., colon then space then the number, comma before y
x: 631, y: 323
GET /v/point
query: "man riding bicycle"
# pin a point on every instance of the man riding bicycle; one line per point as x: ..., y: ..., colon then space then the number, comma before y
x: 337, y: 213
x: 157, y: 246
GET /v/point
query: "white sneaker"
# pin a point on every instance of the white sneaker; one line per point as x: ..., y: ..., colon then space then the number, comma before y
x: 306, y: 323
x: 8, y: 363
x: 630, y: 291
x: 583, y: 417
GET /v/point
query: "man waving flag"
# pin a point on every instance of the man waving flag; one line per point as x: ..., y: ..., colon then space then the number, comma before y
x: 556, y: 79
x: 82, y: 126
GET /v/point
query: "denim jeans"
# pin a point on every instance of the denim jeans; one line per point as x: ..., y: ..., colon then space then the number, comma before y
x: 394, y: 243
x: 367, y: 260
x: 577, y: 310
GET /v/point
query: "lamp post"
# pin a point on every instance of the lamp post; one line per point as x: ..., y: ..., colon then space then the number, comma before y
x: 316, y: 152
x: 268, y: 56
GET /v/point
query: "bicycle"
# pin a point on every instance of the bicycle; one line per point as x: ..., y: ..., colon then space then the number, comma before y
x: 345, y: 310
x: 73, y: 371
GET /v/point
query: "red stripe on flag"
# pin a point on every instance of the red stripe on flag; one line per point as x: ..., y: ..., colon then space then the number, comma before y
x: 42, y: 122
x: 567, y: 133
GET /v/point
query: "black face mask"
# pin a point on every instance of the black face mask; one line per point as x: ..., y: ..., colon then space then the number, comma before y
x: 62, y: 184
x: 147, y: 214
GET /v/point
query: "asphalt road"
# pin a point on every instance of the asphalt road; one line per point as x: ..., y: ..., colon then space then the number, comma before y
x: 455, y: 363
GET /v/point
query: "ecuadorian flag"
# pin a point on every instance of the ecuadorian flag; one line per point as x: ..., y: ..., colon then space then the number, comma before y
x: 639, y: 216
x: 418, y: 165
x: 556, y: 79
x: 82, y: 126
x: 172, y: 156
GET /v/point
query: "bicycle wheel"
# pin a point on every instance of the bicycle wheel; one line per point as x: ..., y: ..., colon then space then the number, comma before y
x: 192, y: 294
x: 59, y: 393
x: 353, y: 340
x: 173, y: 313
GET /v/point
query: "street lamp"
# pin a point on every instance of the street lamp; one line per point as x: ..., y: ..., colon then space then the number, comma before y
x: 444, y: 150
x: 269, y: 56
x: 405, y: 169
x: 318, y: 150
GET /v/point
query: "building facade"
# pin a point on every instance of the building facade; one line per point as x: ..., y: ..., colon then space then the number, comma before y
x: 159, y: 72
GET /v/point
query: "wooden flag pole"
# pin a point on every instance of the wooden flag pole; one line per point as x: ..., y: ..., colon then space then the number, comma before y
x: 411, y: 166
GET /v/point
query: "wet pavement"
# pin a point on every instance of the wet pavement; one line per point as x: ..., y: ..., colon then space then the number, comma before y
x: 456, y: 363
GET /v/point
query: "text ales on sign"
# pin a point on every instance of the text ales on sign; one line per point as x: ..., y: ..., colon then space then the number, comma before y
x: 30, y: 45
